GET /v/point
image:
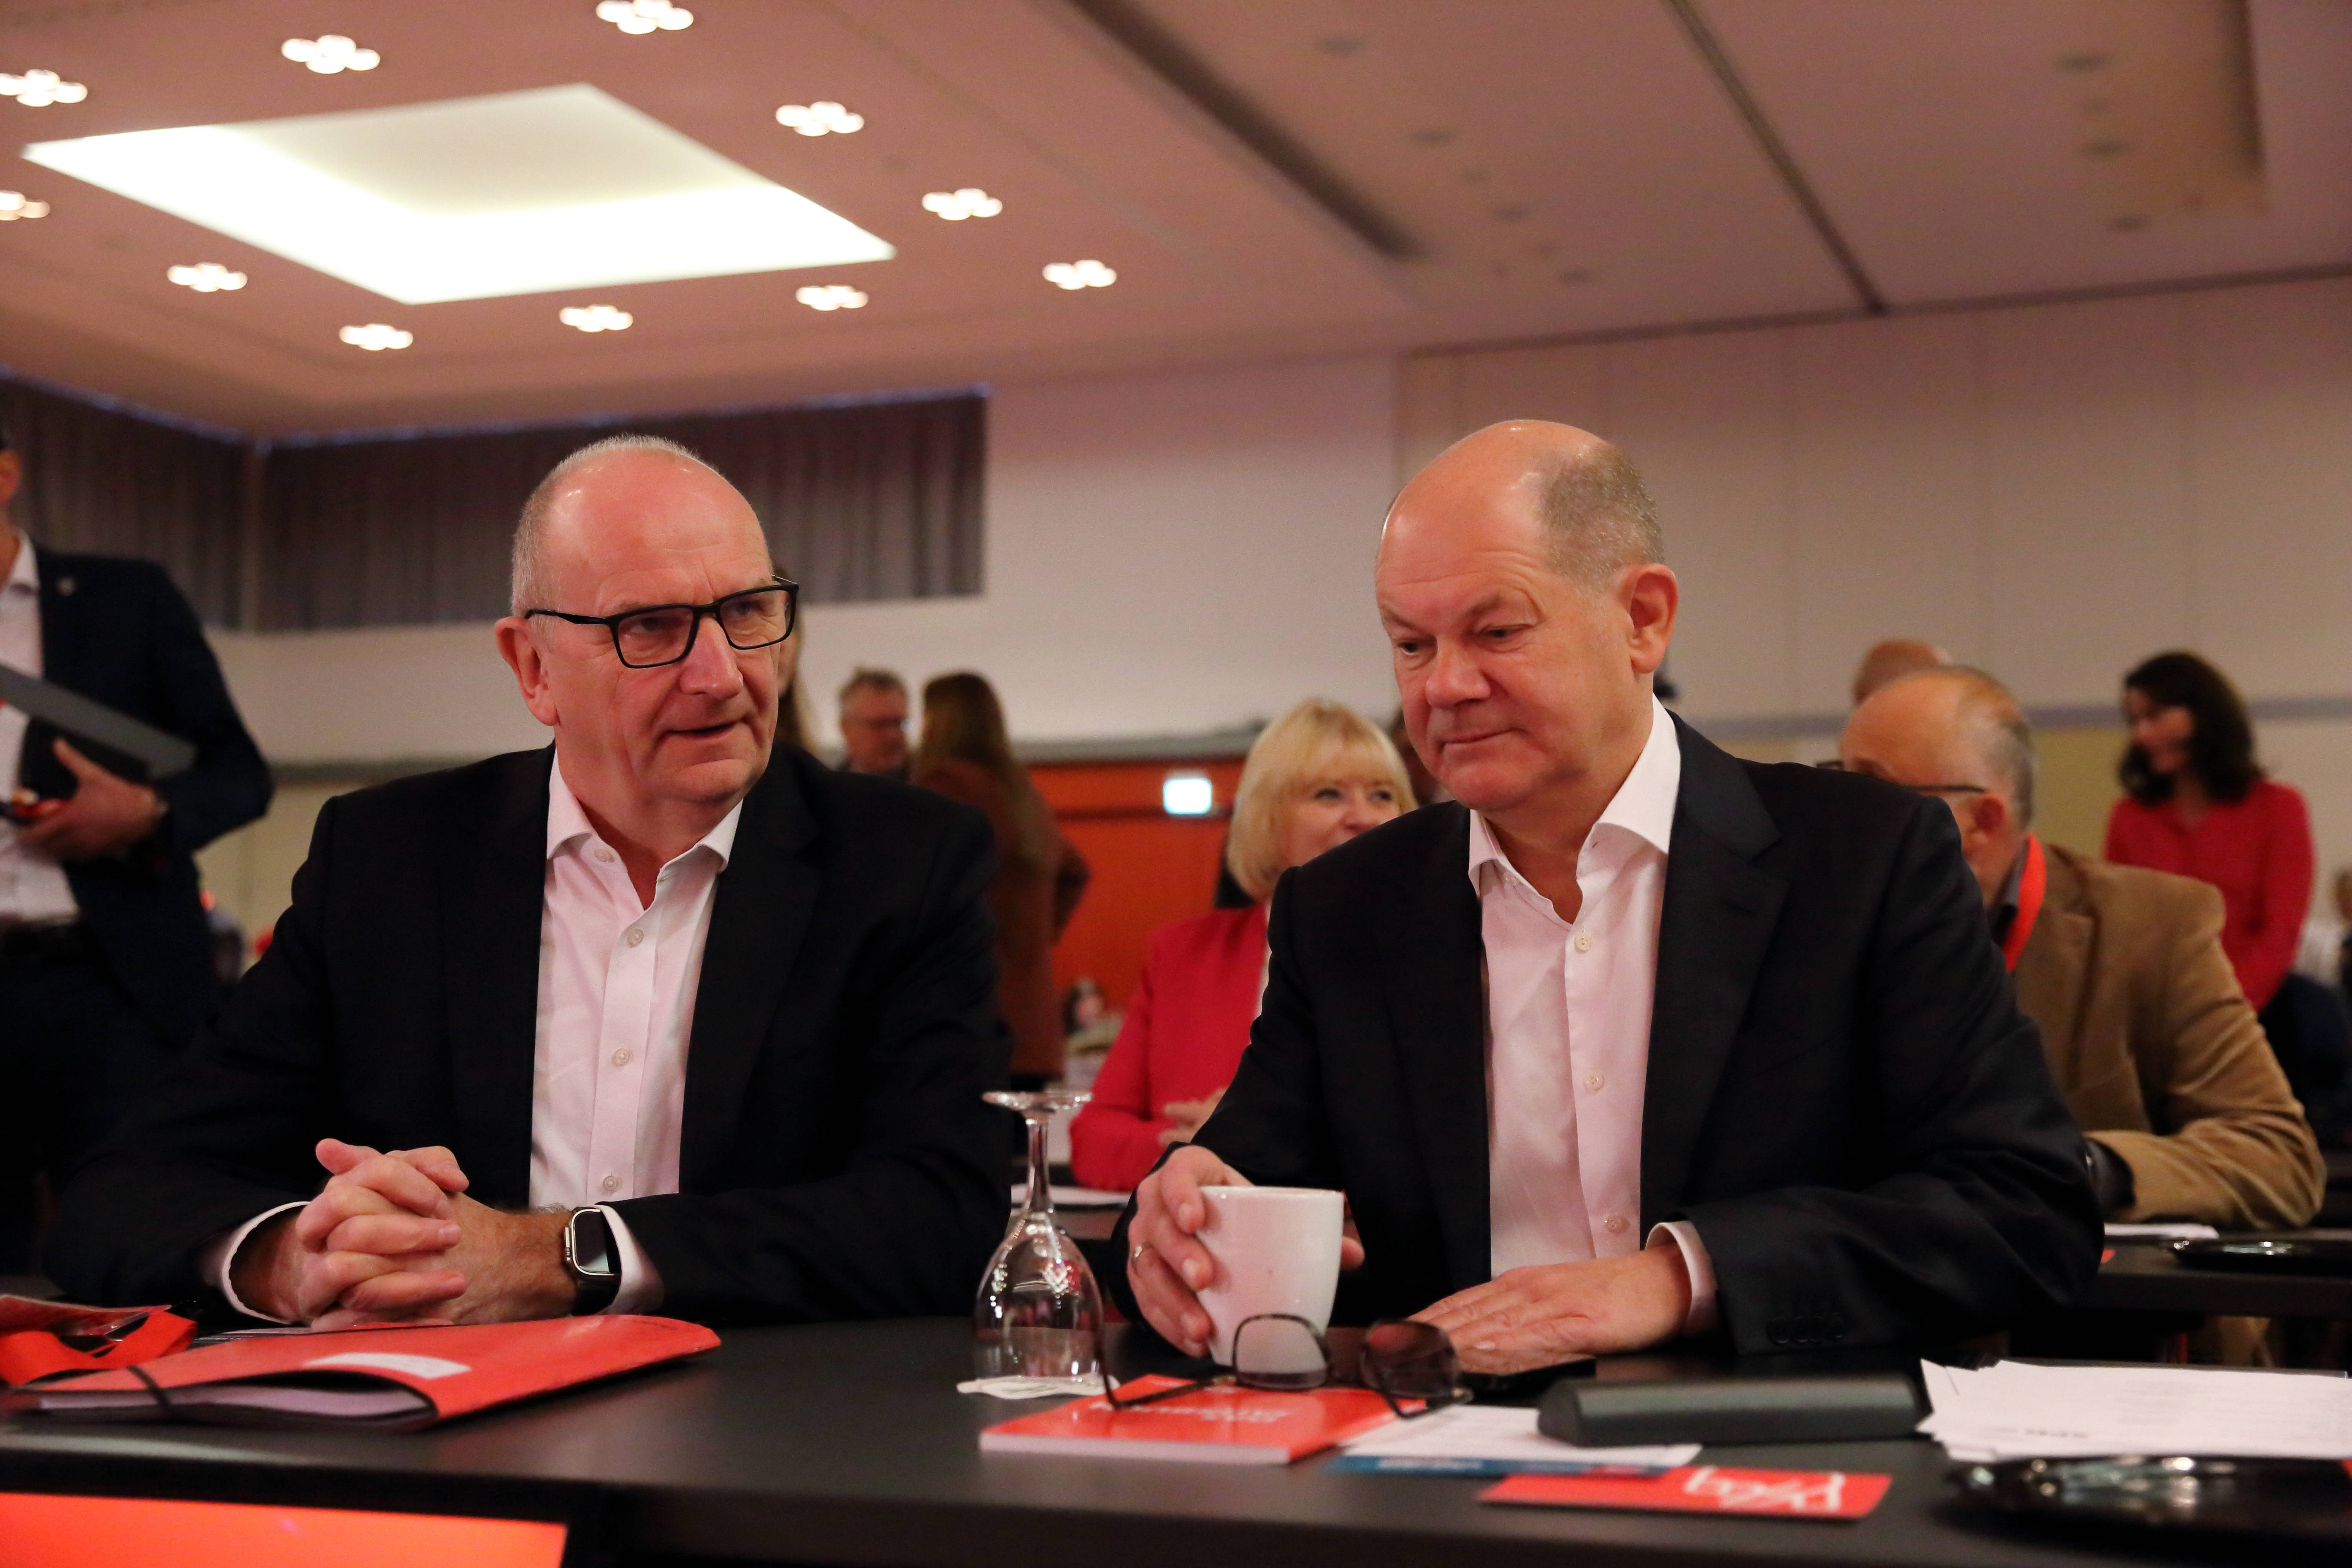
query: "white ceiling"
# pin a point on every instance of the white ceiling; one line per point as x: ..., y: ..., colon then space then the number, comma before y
x: 1317, y: 175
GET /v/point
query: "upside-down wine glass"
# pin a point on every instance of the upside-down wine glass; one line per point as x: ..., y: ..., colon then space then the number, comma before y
x: 1039, y: 1312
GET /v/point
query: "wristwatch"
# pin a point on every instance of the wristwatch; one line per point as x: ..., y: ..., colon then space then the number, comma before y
x: 588, y: 1258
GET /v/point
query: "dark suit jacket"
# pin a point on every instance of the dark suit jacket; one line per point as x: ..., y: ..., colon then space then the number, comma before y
x: 118, y: 632
x: 1840, y: 1096
x: 837, y: 1161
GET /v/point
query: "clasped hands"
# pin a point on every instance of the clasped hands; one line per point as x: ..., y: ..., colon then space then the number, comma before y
x: 393, y: 1238
x: 1527, y: 1318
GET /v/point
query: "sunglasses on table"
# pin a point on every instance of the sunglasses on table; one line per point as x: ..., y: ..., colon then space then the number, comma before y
x: 1406, y: 1364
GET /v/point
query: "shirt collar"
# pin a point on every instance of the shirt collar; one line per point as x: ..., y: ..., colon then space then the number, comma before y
x: 25, y: 574
x: 567, y: 825
x: 1643, y: 805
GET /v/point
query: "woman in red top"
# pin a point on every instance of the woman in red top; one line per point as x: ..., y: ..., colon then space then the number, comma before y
x: 2198, y: 804
x: 1319, y: 776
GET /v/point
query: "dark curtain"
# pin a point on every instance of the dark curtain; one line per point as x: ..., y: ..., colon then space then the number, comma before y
x: 115, y: 483
x: 866, y: 500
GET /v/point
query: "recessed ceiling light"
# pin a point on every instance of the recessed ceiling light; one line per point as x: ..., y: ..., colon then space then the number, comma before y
x: 205, y: 278
x: 957, y: 206
x: 594, y: 318
x: 831, y: 296
x: 376, y: 337
x: 329, y: 53
x: 559, y: 188
x: 644, y: 15
x: 39, y: 88
x: 822, y: 117
x: 1080, y: 274
x: 14, y: 205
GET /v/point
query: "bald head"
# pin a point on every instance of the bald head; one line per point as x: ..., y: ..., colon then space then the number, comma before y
x: 1956, y: 732
x: 1580, y: 492
x: 561, y: 517
x: 1892, y: 660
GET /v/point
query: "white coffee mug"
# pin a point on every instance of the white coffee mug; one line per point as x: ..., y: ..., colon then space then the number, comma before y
x: 1276, y: 1250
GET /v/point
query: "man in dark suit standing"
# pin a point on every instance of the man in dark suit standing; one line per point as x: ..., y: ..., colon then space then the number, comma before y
x: 661, y: 1017
x: 105, y: 966
x: 1637, y: 1040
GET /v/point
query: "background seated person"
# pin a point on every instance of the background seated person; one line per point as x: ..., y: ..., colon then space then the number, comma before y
x: 1316, y: 777
x: 1638, y: 1039
x: 2153, y: 1044
x: 723, y: 1015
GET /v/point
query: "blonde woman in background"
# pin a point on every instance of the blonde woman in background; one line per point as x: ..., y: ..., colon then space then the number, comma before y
x: 966, y: 753
x: 1319, y: 776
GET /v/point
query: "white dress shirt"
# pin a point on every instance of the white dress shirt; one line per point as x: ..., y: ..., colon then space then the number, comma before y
x: 1567, y: 1033
x: 32, y: 886
x: 618, y: 979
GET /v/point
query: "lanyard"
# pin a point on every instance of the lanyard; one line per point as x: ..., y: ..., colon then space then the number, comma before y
x: 2031, y: 884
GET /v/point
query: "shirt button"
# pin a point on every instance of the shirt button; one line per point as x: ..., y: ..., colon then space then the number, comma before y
x: 1593, y: 1081
x: 637, y: 935
x: 622, y: 1057
x: 1615, y: 1221
x: 603, y: 854
x: 1584, y: 941
x: 613, y: 1185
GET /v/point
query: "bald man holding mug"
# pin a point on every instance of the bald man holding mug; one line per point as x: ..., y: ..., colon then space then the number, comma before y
x: 1633, y: 1040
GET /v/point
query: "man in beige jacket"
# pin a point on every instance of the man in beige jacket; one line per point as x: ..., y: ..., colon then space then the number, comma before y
x: 2186, y: 1112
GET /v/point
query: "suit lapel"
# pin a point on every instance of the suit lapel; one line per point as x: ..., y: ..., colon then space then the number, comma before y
x: 1718, y: 918
x: 2054, y: 973
x: 63, y: 622
x: 1434, y: 952
x: 759, y: 915
x: 496, y: 889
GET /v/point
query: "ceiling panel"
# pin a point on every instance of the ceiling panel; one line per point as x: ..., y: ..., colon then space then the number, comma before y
x: 1553, y: 165
x: 1985, y: 149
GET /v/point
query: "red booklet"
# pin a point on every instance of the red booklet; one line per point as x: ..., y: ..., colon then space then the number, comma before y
x: 1705, y: 1488
x: 387, y: 1377
x: 1223, y: 1425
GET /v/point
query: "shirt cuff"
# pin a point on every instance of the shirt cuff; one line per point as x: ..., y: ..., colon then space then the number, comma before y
x: 641, y: 1282
x: 1702, y: 1315
x: 215, y: 1262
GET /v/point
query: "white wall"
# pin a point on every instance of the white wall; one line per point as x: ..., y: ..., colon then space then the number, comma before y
x: 1166, y: 554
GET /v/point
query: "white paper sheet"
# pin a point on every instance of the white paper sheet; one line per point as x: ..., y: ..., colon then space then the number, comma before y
x: 1496, y: 1440
x: 2013, y: 1410
x: 2173, y: 1232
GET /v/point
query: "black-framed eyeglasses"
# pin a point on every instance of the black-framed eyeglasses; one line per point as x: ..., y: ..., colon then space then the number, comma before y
x: 1837, y: 765
x: 656, y: 634
x: 1407, y: 1363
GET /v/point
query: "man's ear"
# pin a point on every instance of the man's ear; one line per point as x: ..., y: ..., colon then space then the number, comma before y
x: 1650, y: 596
x: 1990, y: 814
x: 12, y: 474
x: 522, y: 651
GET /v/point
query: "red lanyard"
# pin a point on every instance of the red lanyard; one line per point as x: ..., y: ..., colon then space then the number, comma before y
x: 2031, y: 884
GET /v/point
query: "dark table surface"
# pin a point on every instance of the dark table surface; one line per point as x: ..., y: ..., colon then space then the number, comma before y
x: 847, y: 1444
x: 2145, y: 1277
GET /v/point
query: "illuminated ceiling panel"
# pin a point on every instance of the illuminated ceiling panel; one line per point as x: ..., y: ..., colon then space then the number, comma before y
x: 515, y: 193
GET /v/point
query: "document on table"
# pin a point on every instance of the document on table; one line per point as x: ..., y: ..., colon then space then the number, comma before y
x: 2168, y: 1232
x: 2013, y: 1410
x: 1494, y: 1440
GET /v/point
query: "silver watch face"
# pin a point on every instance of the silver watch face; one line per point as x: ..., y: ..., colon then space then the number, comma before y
x: 600, y: 1267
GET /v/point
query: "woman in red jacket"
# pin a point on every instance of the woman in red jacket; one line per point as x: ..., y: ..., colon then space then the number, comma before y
x: 2197, y: 804
x: 1319, y: 776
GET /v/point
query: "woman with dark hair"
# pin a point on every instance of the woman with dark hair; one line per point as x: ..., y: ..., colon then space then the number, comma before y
x: 2198, y: 804
x: 966, y: 753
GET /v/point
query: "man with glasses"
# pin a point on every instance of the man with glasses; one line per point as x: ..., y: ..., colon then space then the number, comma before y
x: 663, y: 1017
x: 2160, y: 1057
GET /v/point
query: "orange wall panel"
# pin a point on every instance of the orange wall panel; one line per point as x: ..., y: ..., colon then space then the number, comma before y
x: 1149, y: 867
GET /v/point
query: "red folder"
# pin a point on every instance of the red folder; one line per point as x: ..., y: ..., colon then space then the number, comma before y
x: 392, y: 1378
x: 1223, y: 1425
x: 1705, y: 1489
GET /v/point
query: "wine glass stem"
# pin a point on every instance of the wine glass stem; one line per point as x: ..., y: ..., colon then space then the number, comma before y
x: 1041, y: 1190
